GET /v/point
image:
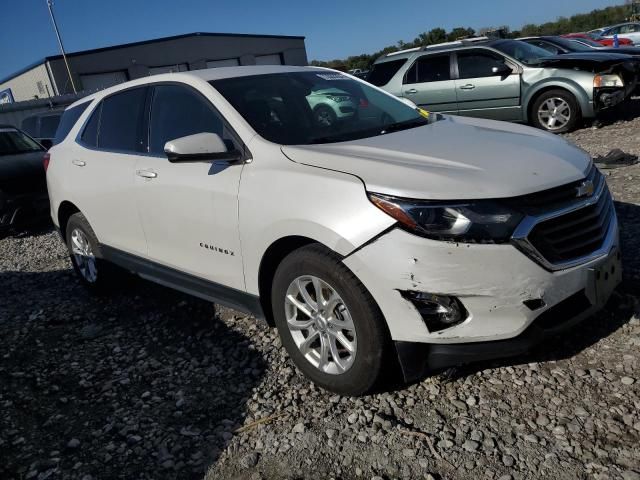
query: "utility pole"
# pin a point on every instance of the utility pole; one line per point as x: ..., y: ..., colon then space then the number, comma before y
x: 64, y: 55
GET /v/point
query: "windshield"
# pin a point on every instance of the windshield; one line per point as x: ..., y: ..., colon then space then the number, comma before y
x: 13, y: 142
x: 522, y: 51
x: 301, y: 108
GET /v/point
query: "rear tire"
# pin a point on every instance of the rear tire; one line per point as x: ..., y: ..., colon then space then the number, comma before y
x: 95, y: 273
x: 555, y: 111
x: 344, y: 345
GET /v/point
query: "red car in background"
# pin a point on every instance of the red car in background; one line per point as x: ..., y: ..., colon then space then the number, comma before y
x: 605, y: 42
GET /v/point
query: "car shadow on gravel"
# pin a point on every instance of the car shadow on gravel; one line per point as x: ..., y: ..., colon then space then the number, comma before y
x: 143, y: 383
x: 623, y: 305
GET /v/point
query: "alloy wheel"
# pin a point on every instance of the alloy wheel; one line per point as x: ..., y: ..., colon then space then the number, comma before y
x: 554, y: 114
x: 83, y: 255
x: 320, y: 324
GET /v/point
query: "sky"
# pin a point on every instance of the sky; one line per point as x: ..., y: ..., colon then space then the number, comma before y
x: 333, y: 29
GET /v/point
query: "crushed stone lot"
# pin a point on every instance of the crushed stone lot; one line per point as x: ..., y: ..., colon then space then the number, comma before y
x: 150, y: 383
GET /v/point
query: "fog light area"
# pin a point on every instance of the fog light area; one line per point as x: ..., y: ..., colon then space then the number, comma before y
x: 438, y: 312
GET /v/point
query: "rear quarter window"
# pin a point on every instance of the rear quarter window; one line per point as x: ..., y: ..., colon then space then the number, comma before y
x: 382, y: 73
x: 68, y: 120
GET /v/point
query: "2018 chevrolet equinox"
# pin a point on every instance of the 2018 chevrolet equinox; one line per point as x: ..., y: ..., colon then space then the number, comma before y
x: 390, y: 236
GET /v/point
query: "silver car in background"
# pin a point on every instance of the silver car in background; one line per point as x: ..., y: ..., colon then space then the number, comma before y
x: 508, y: 80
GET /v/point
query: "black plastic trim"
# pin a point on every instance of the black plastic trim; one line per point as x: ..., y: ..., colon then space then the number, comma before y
x: 184, y: 282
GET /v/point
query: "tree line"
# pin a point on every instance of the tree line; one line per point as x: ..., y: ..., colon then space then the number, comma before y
x: 577, y: 23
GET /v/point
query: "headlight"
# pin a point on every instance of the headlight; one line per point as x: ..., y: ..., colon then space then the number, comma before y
x: 482, y: 221
x: 607, y: 81
x: 338, y: 99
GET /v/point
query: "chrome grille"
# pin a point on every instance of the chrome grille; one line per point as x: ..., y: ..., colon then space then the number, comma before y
x: 571, y: 233
x: 575, y: 234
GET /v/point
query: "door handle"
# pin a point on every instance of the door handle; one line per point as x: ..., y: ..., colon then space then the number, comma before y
x: 411, y: 91
x: 468, y: 86
x: 79, y: 163
x: 146, y: 174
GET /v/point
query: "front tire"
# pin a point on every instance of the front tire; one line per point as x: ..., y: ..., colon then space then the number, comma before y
x: 325, y: 116
x: 328, y: 322
x: 555, y: 111
x: 95, y: 273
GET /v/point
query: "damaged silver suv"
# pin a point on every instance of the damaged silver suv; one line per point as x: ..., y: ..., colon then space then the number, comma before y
x: 508, y: 80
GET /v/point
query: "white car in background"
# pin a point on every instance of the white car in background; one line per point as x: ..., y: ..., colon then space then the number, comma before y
x: 630, y: 30
x: 396, y: 238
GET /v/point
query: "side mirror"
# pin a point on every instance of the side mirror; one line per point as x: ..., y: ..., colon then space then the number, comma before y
x: 503, y: 70
x: 408, y: 102
x: 200, y: 147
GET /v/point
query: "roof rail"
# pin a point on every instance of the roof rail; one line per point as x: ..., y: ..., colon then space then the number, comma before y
x: 440, y: 45
x: 464, y: 41
x: 415, y: 49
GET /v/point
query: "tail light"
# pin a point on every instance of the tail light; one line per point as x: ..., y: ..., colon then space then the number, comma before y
x: 45, y: 160
x: 364, y: 103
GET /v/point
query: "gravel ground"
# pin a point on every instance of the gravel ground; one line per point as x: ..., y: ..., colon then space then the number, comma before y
x: 149, y: 383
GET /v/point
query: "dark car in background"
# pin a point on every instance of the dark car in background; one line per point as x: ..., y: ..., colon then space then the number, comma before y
x: 563, y: 45
x: 42, y: 127
x: 23, y: 186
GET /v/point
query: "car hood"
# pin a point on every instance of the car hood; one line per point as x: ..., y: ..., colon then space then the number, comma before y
x: 592, y: 62
x: 22, y: 173
x: 455, y: 158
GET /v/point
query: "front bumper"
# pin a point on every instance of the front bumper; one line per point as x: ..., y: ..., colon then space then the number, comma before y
x: 492, y: 282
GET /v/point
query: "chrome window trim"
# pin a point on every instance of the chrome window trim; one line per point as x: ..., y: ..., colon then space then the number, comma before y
x: 521, y: 234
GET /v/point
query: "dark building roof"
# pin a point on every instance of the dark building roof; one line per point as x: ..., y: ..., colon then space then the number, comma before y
x: 145, y: 42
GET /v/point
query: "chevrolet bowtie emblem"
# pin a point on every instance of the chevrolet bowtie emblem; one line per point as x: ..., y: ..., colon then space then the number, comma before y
x: 585, y: 189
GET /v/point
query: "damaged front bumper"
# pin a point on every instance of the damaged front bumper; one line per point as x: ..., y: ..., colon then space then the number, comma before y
x: 511, y: 301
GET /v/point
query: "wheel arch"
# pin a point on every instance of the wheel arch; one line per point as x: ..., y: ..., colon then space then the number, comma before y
x: 65, y: 210
x: 272, y: 257
x: 578, y: 93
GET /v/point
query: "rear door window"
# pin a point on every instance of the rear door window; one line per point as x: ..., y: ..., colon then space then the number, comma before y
x: 121, y: 121
x: 429, y: 68
x: 478, y: 63
x: 177, y: 111
x: 68, y: 120
x: 382, y: 73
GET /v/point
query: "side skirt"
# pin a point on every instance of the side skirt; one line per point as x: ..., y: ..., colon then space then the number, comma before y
x: 184, y: 282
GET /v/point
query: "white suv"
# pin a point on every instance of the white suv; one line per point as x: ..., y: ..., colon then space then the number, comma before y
x: 389, y: 237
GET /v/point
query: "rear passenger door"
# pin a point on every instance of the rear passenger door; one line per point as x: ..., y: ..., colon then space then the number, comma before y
x: 189, y: 210
x: 104, y: 169
x: 481, y: 91
x: 428, y: 83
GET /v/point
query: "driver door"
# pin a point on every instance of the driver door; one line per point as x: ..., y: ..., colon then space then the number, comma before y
x: 189, y: 210
x: 484, y: 93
